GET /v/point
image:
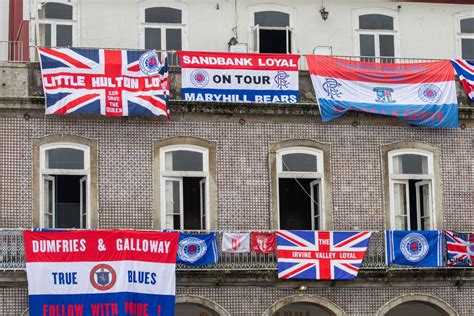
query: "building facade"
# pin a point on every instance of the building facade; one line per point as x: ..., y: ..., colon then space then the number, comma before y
x: 227, y: 167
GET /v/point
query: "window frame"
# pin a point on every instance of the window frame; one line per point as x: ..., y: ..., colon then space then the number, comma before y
x: 357, y: 31
x: 39, y: 5
x: 322, y: 152
x: 183, y: 26
x: 252, y: 9
x: 388, y: 152
x: 208, y: 149
x: 460, y: 36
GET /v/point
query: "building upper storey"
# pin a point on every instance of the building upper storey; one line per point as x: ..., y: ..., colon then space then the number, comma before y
x: 338, y: 27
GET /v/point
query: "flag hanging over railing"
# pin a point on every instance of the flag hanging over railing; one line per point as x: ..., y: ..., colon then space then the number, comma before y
x: 418, y: 93
x: 231, y: 77
x: 101, y: 272
x: 465, y: 71
x: 320, y: 255
x: 104, y: 81
x: 459, y: 249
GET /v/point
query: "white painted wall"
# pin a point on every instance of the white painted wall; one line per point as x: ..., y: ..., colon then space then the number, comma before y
x: 4, y: 11
x: 425, y: 30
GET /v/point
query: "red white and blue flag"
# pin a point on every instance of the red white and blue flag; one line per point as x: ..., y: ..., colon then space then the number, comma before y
x: 97, y: 273
x: 104, y: 81
x: 418, y: 93
x: 231, y: 77
x: 465, y: 71
x: 460, y: 249
x: 320, y: 255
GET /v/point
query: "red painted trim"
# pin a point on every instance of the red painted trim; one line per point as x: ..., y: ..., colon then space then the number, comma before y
x: 18, y: 30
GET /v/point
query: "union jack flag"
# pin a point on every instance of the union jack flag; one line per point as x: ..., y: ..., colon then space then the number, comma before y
x: 320, y: 255
x: 460, y: 249
x: 109, y: 82
x: 465, y: 71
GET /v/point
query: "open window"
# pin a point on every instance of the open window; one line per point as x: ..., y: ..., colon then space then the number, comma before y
x: 184, y: 182
x: 411, y: 190
x: 299, y: 188
x: 376, y: 32
x: 56, y: 24
x: 465, y: 35
x: 65, y: 182
x: 163, y: 28
x: 271, y: 32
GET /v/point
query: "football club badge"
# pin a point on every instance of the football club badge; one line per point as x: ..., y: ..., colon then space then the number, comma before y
x: 384, y: 95
x: 103, y: 277
x: 429, y: 93
x: 414, y: 248
x: 150, y: 63
x: 262, y: 242
x: 197, y: 250
x: 199, y: 78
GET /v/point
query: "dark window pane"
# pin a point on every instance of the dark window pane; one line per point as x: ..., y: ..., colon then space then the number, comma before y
x: 273, y: 41
x: 375, y: 22
x: 162, y: 15
x: 45, y: 34
x: 64, y: 35
x: 183, y: 160
x: 387, y: 46
x: 58, y: 11
x: 272, y: 18
x: 467, y: 48
x: 467, y: 25
x: 152, y: 38
x: 299, y: 162
x: 367, y: 45
x: 295, y: 203
x: 410, y: 164
x: 64, y: 158
x: 173, y: 39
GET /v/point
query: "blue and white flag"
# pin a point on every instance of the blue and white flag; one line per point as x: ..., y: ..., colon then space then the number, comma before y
x: 197, y: 250
x: 414, y: 248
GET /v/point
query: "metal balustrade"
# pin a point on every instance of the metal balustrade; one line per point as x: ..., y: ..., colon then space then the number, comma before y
x: 12, y: 255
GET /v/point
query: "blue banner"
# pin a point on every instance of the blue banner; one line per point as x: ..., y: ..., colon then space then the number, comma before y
x: 197, y: 250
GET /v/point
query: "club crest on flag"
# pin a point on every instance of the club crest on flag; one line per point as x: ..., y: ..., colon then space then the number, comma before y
x: 429, y: 93
x: 280, y: 80
x: 384, y: 95
x: 414, y: 247
x: 331, y: 88
x: 192, y: 249
x: 199, y: 78
x: 150, y: 63
x: 103, y: 277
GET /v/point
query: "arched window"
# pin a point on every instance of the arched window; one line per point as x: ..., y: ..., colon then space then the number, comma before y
x: 465, y: 35
x: 163, y: 28
x: 271, y: 31
x: 57, y: 24
x: 376, y: 32
x: 411, y: 176
x: 186, y: 182
x: 300, y: 186
x: 64, y: 185
x: 416, y: 305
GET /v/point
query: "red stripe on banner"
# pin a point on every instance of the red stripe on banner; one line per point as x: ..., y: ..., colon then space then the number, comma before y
x: 347, y: 241
x: 348, y: 266
x: 456, y: 248
x: 154, y: 102
x: 66, y: 57
x: 104, y: 245
x: 320, y: 255
x: 76, y: 102
x: 283, y: 235
x: 232, y: 61
x: 289, y: 275
x: 344, y: 69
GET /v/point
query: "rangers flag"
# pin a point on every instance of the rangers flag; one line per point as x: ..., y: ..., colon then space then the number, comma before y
x: 460, y: 249
x: 465, y: 72
x: 320, y: 255
x: 109, y: 272
x: 104, y: 81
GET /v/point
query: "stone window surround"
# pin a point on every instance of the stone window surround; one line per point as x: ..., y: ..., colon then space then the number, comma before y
x: 212, y: 195
x: 199, y: 300
x: 436, y: 185
x: 432, y: 301
x: 304, y: 298
x: 93, y: 172
x: 327, y: 205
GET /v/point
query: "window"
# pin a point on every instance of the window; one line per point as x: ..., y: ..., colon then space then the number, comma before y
x: 64, y: 186
x: 65, y: 182
x: 413, y: 187
x: 56, y: 24
x: 465, y: 35
x: 163, y: 28
x: 376, y: 34
x: 185, y: 184
x: 271, y: 31
x: 300, y: 185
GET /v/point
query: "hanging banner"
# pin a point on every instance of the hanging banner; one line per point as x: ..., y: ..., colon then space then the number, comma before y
x: 459, y: 249
x: 320, y: 255
x: 418, y: 93
x: 197, y: 250
x: 104, y: 81
x: 104, y: 272
x: 465, y: 71
x: 230, y: 77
